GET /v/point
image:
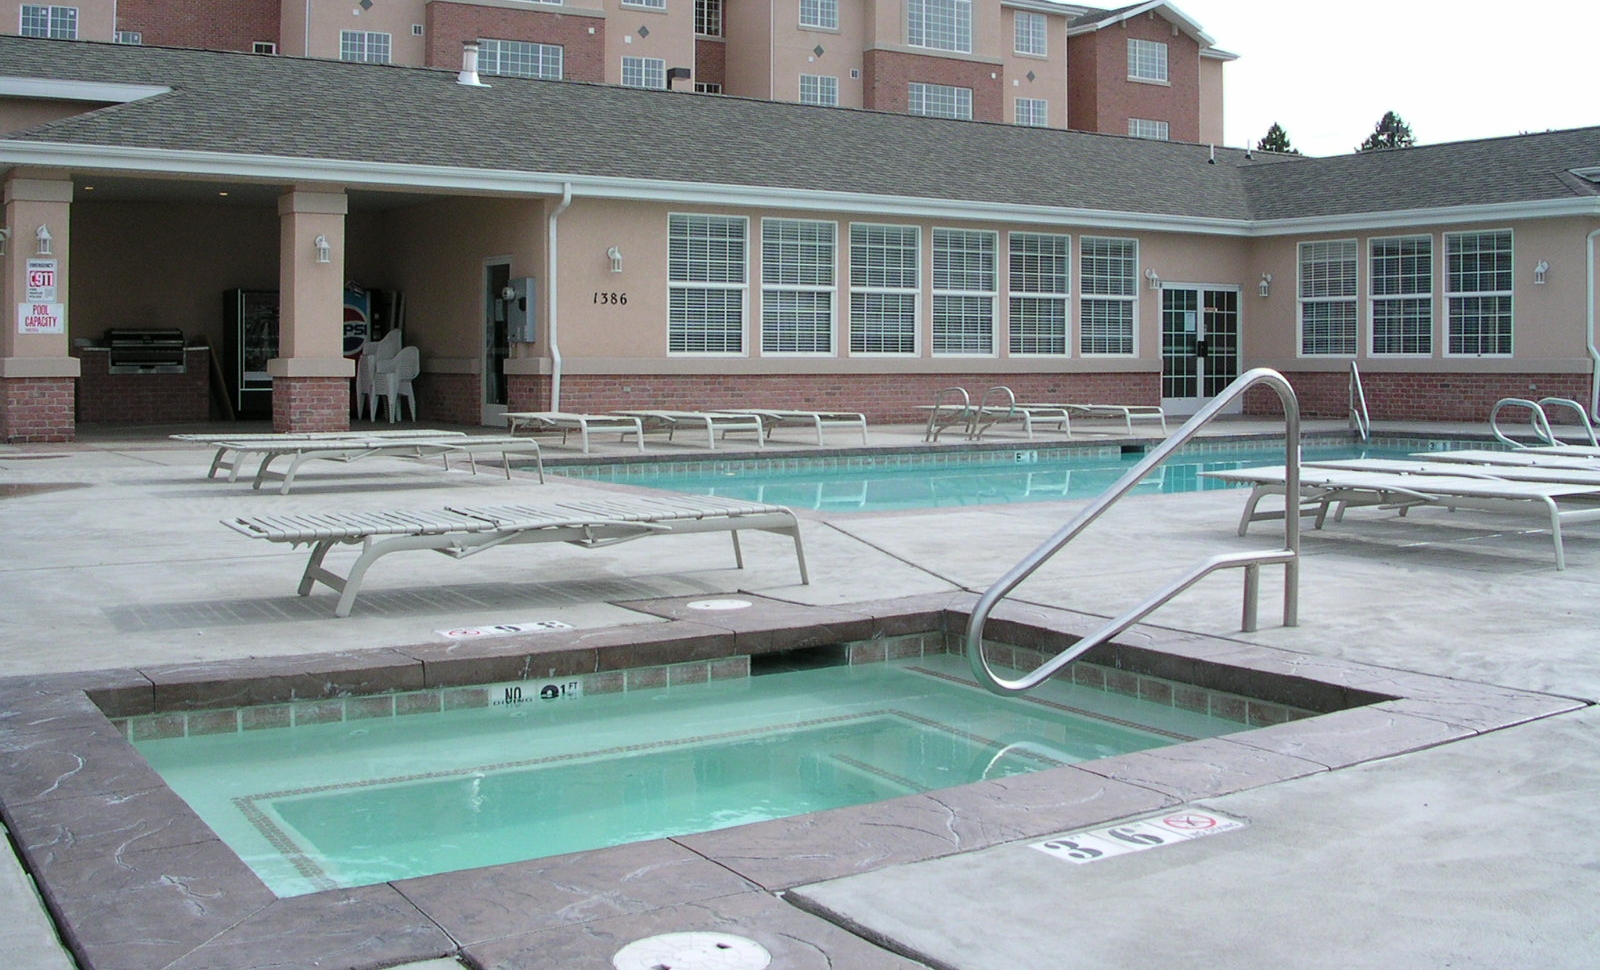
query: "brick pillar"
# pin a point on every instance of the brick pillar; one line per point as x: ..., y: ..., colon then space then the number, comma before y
x: 301, y: 404
x: 311, y: 376
x: 36, y: 408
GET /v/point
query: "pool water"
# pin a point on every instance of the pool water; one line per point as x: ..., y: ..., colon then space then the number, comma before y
x: 921, y: 481
x: 364, y: 801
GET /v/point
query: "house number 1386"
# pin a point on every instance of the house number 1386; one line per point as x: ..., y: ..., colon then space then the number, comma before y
x: 611, y: 299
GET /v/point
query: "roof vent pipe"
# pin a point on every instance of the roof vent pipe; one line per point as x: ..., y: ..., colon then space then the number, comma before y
x: 469, y: 65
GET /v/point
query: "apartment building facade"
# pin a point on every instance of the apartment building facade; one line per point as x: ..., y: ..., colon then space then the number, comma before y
x: 1144, y: 70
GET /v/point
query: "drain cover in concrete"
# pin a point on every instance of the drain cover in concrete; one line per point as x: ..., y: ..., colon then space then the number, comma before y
x: 692, y: 951
x: 728, y: 604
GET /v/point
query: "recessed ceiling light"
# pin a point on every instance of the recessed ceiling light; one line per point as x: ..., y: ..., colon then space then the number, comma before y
x: 88, y: 188
x: 222, y: 193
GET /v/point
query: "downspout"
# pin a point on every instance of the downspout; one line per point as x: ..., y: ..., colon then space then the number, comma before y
x: 1594, y: 353
x: 550, y: 289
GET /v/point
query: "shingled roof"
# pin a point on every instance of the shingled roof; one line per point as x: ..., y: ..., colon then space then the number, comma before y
x: 229, y: 106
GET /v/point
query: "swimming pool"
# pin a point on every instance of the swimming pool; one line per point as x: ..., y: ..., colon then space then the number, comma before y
x: 352, y: 802
x: 883, y: 482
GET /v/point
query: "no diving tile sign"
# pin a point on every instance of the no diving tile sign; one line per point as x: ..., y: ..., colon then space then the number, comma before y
x: 1114, y: 840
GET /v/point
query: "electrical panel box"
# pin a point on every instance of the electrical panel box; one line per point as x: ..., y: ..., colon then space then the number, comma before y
x: 521, y: 319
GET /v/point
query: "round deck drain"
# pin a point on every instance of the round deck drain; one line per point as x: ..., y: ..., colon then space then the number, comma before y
x: 729, y: 604
x: 692, y: 951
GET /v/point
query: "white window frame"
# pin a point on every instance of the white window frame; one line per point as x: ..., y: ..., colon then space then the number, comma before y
x: 1329, y: 312
x: 819, y: 14
x: 1108, y: 281
x: 1147, y: 61
x: 799, y: 262
x: 708, y: 263
x: 1400, y: 281
x: 1032, y: 34
x: 1152, y: 130
x: 649, y: 73
x: 885, y: 269
x: 708, y: 14
x: 362, y: 43
x: 650, y: 4
x: 1463, y: 285
x: 133, y: 38
x: 941, y: 25
x: 494, y: 52
x: 1039, y: 276
x: 49, y: 20
x: 820, y: 89
x: 1032, y: 112
x: 966, y: 292
x: 954, y: 102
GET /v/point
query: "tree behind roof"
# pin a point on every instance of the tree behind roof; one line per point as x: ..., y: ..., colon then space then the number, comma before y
x: 1276, y: 140
x: 1391, y: 132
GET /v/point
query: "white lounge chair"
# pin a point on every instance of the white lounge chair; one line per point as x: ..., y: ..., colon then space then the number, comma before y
x: 1325, y: 488
x: 462, y: 532
x: 535, y: 422
x: 231, y: 448
x: 711, y: 422
x: 1559, y: 475
x: 354, y: 447
x: 1129, y: 413
x: 1490, y: 458
x: 773, y: 418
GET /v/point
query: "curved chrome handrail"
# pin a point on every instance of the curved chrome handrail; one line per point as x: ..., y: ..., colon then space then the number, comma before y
x: 1360, y: 420
x: 1536, y: 417
x: 1251, y: 562
x: 1583, y: 416
x: 935, y: 426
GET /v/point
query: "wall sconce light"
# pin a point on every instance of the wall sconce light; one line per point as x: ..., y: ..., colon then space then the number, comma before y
x: 4, y: 235
x: 1539, y: 270
x: 45, y: 244
x: 1265, y: 286
x: 1155, y: 281
x: 615, y: 255
x: 324, y: 251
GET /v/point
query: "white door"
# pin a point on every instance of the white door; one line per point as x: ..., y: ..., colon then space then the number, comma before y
x: 1199, y: 345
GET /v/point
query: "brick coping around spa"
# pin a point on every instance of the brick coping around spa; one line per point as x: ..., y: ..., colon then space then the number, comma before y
x: 136, y: 881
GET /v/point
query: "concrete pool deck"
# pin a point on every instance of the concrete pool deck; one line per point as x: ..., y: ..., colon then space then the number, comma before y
x: 1475, y: 853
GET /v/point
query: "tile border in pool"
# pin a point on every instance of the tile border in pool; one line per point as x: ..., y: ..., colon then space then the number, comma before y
x: 136, y: 881
x: 627, y: 469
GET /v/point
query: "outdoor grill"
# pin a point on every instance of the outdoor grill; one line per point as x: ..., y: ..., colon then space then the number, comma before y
x: 151, y: 351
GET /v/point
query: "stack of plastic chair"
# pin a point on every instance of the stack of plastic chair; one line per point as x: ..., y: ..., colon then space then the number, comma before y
x: 373, y: 352
x: 393, y: 382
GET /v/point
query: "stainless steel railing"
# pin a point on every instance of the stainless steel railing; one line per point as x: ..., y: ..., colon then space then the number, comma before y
x: 1250, y: 562
x: 1359, y: 419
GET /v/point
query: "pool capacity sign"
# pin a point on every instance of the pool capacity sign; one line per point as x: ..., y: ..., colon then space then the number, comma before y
x: 40, y: 311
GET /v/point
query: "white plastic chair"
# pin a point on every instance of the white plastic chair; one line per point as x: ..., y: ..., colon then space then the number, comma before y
x: 373, y: 352
x: 393, y: 381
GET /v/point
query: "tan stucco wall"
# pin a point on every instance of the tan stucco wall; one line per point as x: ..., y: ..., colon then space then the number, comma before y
x: 97, y: 19
x: 18, y: 114
x: 1211, y: 102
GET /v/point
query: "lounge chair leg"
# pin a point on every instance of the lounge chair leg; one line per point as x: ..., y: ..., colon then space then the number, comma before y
x: 738, y: 553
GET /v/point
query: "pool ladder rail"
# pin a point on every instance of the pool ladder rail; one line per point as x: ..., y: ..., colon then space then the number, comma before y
x: 1250, y: 562
x: 1539, y: 418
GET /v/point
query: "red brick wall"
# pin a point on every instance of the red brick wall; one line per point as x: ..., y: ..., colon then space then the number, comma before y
x: 1101, y: 98
x: 887, y: 76
x: 449, y: 399
x: 884, y: 400
x: 310, y: 404
x: 104, y: 397
x: 583, y: 56
x: 1416, y: 397
x: 36, y: 409
x: 232, y: 26
x: 711, y: 63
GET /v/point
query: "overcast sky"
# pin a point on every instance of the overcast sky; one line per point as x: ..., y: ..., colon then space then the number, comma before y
x: 1453, y: 69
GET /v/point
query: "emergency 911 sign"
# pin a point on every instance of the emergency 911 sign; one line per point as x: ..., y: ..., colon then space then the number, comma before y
x: 41, y: 318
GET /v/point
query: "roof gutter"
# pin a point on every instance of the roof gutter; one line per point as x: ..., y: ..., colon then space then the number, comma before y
x: 552, y: 314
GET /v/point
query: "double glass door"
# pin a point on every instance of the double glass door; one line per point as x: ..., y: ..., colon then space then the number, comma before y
x: 1199, y: 345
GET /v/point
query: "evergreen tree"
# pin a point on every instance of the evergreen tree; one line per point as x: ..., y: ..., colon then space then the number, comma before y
x: 1276, y: 140
x: 1391, y: 132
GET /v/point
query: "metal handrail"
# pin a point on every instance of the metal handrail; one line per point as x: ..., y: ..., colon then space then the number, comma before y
x: 1004, y: 397
x: 1359, y: 419
x: 1536, y: 417
x: 1250, y: 562
x: 963, y: 414
x: 1583, y: 416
